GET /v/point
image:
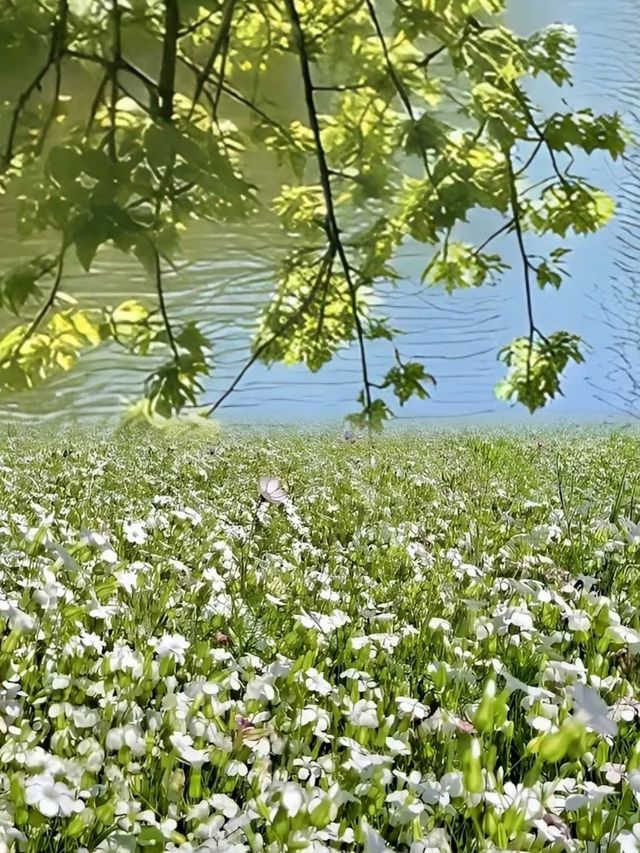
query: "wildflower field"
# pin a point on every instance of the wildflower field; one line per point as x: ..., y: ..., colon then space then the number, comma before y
x: 428, y: 643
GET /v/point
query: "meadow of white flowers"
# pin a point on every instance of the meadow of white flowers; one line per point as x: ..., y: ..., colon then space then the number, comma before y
x: 427, y: 644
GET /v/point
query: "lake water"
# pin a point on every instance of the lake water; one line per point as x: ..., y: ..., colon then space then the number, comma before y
x: 227, y: 276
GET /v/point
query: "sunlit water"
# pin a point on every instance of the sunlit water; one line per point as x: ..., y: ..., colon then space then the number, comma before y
x: 228, y: 274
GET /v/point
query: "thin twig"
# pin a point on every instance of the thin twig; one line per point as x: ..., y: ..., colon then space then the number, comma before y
x: 186, y: 31
x: 323, y: 273
x: 395, y: 79
x: 236, y: 96
x: 59, y: 51
x: 124, y: 65
x: 58, y: 29
x: 333, y: 230
x: 220, y: 81
x: 162, y: 304
x: 530, y: 160
x: 526, y: 263
x: 96, y: 103
x: 44, y: 309
x: 223, y: 32
x: 429, y: 57
x: 503, y: 228
x: 113, y: 76
x: 166, y: 80
x: 521, y: 98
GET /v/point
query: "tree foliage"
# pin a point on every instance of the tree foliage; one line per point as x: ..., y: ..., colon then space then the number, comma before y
x: 416, y: 115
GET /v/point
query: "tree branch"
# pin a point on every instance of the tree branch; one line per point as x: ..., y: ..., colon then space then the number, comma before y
x: 44, y: 309
x: 333, y: 230
x: 166, y: 80
x: 503, y: 228
x: 526, y: 263
x: 540, y: 134
x: 222, y: 35
x: 162, y: 304
x: 124, y: 65
x: 56, y: 50
x: 395, y: 79
x: 324, y: 274
x: 113, y: 76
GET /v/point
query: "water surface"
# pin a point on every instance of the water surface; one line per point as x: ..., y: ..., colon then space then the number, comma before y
x: 228, y: 274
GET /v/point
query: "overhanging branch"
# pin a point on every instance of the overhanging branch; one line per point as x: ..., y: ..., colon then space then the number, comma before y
x: 333, y: 230
x: 323, y: 276
x: 221, y: 37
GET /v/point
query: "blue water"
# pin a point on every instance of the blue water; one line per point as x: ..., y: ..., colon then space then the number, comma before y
x: 457, y: 336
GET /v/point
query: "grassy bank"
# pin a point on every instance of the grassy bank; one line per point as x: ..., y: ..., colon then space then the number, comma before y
x: 431, y: 643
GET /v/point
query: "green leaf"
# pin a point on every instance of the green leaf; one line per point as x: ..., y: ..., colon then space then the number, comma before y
x: 20, y: 285
x: 425, y: 134
x: 130, y: 312
x: 146, y: 253
x: 370, y: 417
x: 535, y: 368
x: 551, y: 51
x: 584, y: 130
x: 64, y: 165
x: 150, y: 838
x: 408, y: 379
x: 87, y: 241
x: 159, y: 146
x: 458, y: 265
x: 570, y: 205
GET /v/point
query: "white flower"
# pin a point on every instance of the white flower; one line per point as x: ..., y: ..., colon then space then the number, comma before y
x: 127, y: 579
x: 613, y: 773
x: 518, y: 797
x: 292, y: 798
x: 435, y: 841
x: 364, y: 713
x: 260, y: 688
x: 314, y: 714
x: 633, y: 780
x: 323, y: 622
x: 632, y: 530
x: 171, y: 646
x: 183, y: 745
x: 51, y: 798
x: 625, y: 709
x: 552, y: 829
x: 134, y: 532
x: 98, y: 541
x: 123, y: 658
x: 397, y: 747
x: 316, y: 683
x: 578, y: 620
x: 373, y: 841
x: 516, y: 617
x: 271, y: 490
x: 436, y: 624
x: 629, y: 840
x: 409, y: 707
x: 592, y: 795
x: 129, y: 735
x: 622, y: 634
x: 592, y: 711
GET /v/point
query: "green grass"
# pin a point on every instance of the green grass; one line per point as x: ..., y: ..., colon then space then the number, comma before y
x: 433, y: 644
